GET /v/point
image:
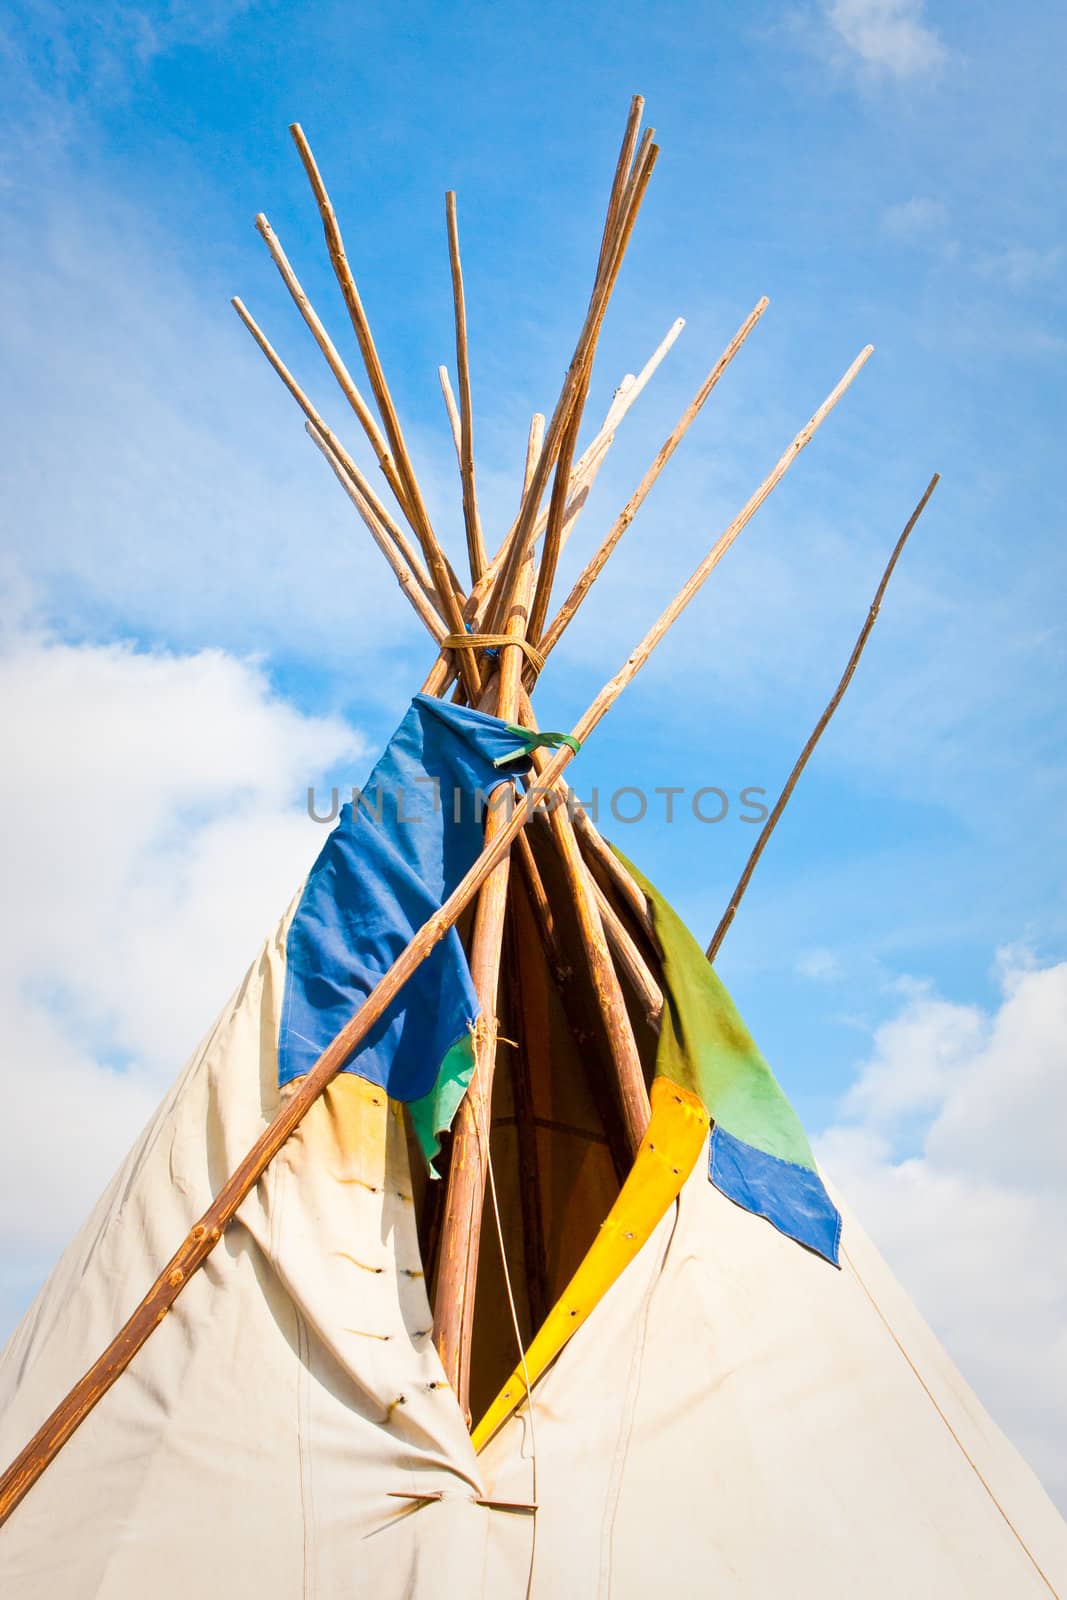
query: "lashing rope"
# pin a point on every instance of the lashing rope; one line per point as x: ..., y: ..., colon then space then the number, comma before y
x: 481, y: 1123
x: 492, y: 643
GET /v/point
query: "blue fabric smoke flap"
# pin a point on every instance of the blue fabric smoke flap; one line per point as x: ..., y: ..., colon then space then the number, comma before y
x: 790, y: 1196
x: 388, y: 865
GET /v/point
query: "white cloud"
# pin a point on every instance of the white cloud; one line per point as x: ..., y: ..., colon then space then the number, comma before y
x: 915, y: 218
x: 151, y: 831
x: 1020, y: 266
x: 889, y: 36
x: 919, y: 1055
x: 159, y: 481
x: 950, y: 1149
x: 821, y: 966
x: 925, y: 221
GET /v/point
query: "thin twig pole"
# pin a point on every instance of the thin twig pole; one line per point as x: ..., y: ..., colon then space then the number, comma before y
x: 460, y: 1248
x: 352, y: 471
x: 819, y: 728
x: 333, y: 359
x: 444, y: 579
x: 400, y: 570
x: 596, y: 564
x: 27, y: 1467
x: 472, y: 522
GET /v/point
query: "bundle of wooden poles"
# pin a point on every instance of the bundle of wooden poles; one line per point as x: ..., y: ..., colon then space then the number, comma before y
x: 493, y: 634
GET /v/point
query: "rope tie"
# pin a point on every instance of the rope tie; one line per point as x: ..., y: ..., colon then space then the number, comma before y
x: 481, y: 1124
x: 492, y: 643
x: 530, y: 741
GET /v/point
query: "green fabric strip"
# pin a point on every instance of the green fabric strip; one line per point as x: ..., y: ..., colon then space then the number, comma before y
x: 530, y: 741
x: 705, y: 1046
x: 433, y: 1114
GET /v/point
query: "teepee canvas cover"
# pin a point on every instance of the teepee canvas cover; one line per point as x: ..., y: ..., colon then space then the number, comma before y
x: 656, y: 1359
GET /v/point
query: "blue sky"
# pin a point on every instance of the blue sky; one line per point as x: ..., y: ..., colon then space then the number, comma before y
x: 883, y: 170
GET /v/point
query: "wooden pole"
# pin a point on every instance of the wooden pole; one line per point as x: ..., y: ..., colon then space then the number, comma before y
x: 400, y: 570
x: 596, y: 565
x: 452, y: 409
x: 506, y: 578
x: 596, y: 940
x: 628, y: 957
x: 582, y: 479
x: 396, y: 533
x: 535, y: 443
x: 632, y: 175
x: 444, y: 579
x: 629, y: 390
x: 49, y: 1439
x: 644, y: 163
x: 540, y: 903
x: 618, y: 183
x: 599, y: 855
x: 637, y: 658
x: 333, y: 359
x: 592, y: 458
x: 27, y: 1467
x: 472, y: 522
x: 529, y: 1162
x: 457, y: 1269
x: 820, y: 728
x: 574, y: 999
x: 611, y: 1001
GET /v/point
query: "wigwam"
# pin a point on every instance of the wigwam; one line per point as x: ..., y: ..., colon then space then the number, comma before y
x: 477, y: 1250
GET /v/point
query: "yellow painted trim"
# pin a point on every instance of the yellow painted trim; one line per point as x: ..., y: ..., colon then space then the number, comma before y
x: 667, y: 1155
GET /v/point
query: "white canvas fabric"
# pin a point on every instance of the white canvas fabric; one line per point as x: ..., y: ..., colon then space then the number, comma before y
x: 251, y: 1447
x: 738, y: 1418
x: 735, y: 1419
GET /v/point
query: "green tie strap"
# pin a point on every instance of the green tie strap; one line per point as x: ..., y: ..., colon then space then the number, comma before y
x: 530, y: 741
